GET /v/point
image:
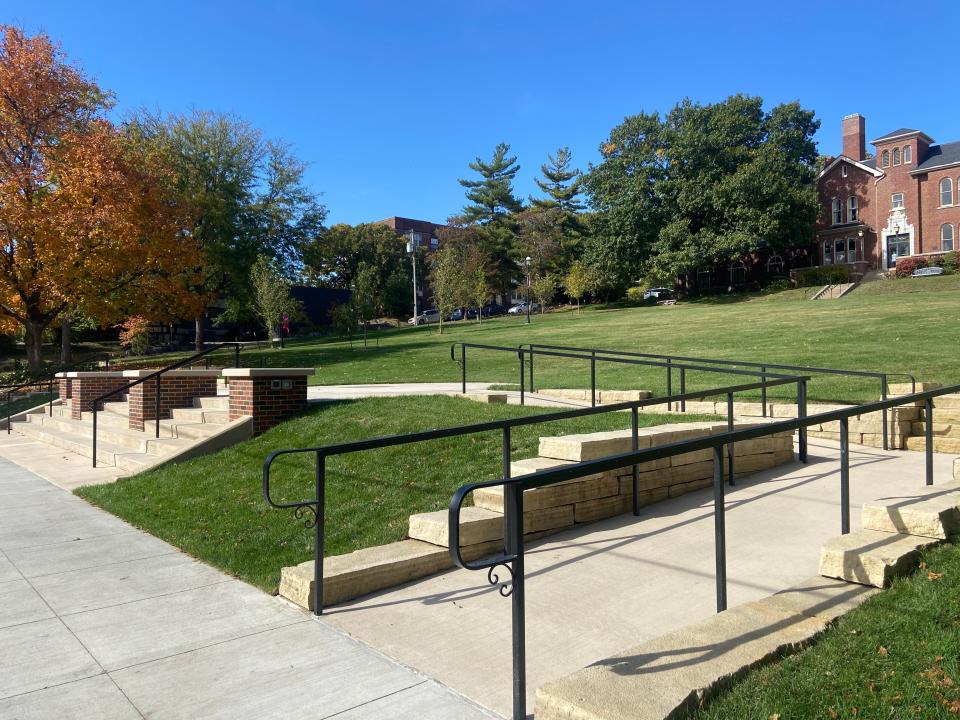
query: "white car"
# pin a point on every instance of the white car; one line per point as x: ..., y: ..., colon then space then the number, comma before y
x: 521, y: 308
x: 427, y: 317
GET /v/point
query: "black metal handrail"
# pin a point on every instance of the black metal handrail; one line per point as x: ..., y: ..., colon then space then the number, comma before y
x: 883, y: 377
x: 49, y: 378
x: 315, y: 507
x: 156, y: 375
x: 512, y: 557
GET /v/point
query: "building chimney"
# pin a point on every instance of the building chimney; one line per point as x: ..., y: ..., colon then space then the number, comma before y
x: 855, y: 137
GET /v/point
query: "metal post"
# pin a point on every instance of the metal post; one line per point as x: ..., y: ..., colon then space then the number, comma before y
x: 413, y: 259
x: 531, y: 368
x: 683, y: 388
x: 730, y: 445
x: 883, y: 396
x: 802, y: 413
x: 635, y: 445
x: 236, y: 356
x: 593, y: 378
x: 719, y: 529
x: 669, y: 383
x: 94, y: 434
x: 763, y: 390
x: 50, y: 397
x: 9, y: 409
x: 318, y: 535
x: 463, y: 369
x: 844, y: 476
x: 928, y: 425
x: 157, y: 408
x: 522, y: 374
x: 513, y: 534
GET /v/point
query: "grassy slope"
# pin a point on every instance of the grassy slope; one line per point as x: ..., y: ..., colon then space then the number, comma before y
x: 212, y: 508
x: 24, y: 403
x: 897, y: 656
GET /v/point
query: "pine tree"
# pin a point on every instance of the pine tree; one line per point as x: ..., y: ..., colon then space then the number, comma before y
x: 491, y: 198
x: 561, y: 183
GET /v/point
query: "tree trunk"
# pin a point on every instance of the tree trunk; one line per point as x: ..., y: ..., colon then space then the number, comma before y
x: 33, y: 339
x: 578, y: 306
x: 66, y: 335
x: 198, y: 333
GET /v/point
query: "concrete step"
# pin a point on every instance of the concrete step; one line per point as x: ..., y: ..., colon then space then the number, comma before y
x: 934, y: 513
x: 107, y: 453
x: 940, y: 429
x: 136, y: 440
x: 949, y: 445
x: 219, y: 402
x: 117, y: 407
x: 479, y: 525
x: 200, y: 415
x: 871, y: 557
x: 172, y: 428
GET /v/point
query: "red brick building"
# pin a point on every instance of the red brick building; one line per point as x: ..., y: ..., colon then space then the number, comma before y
x: 903, y: 200
x: 424, y: 232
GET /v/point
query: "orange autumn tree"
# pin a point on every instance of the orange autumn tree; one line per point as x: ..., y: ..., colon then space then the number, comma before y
x: 89, y: 218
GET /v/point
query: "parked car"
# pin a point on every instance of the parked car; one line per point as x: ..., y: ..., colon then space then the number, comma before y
x: 491, y: 310
x: 427, y: 317
x: 657, y: 293
x: 521, y: 308
x: 458, y: 314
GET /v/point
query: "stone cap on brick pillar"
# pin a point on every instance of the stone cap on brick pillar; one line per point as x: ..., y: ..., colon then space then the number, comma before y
x: 93, y: 374
x: 267, y: 372
x: 172, y: 373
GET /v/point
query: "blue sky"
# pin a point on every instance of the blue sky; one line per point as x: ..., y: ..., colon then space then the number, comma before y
x: 389, y: 101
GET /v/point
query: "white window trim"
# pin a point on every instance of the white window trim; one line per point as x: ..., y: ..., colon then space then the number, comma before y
x: 953, y: 235
x: 895, y: 159
x: 885, y: 158
x: 941, y: 191
x: 853, y: 209
x: 907, y: 154
x: 893, y: 205
x: 836, y: 211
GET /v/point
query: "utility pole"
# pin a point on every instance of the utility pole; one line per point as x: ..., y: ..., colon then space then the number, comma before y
x: 412, y: 245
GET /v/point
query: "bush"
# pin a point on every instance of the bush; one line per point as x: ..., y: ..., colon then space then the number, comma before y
x: 635, y: 294
x: 949, y: 262
x: 906, y: 266
x: 828, y: 275
x: 135, y: 334
x: 779, y: 286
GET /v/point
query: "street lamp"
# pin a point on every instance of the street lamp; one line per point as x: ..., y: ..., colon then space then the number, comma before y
x: 526, y: 264
x: 412, y: 252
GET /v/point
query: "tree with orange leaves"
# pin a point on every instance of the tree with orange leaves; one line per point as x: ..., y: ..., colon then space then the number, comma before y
x: 89, y: 218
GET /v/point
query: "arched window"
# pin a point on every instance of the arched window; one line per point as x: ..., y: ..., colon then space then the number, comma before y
x: 907, y: 154
x: 885, y: 162
x: 946, y: 192
x: 775, y: 265
x: 738, y: 273
x: 946, y: 236
x: 837, y: 211
x: 896, y: 156
x: 853, y: 209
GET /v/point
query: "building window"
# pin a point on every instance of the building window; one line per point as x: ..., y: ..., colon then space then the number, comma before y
x: 775, y: 265
x: 434, y: 243
x: 738, y: 273
x: 828, y: 252
x: 837, y: 211
x: 853, y: 209
x: 840, y: 252
x: 907, y: 154
x: 843, y: 170
x: 885, y: 161
x: 946, y: 192
x: 897, y: 201
x: 896, y: 156
x: 946, y: 237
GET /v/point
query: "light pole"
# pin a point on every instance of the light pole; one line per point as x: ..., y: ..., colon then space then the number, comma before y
x: 526, y: 264
x: 412, y: 251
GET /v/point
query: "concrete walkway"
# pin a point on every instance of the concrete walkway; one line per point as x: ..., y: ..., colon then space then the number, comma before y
x: 593, y: 593
x: 101, y: 621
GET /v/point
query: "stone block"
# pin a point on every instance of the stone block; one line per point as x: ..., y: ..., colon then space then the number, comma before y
x: 611, y: 397
x: 484, y: 397
x: 894, y: 389
x: 547, y: 519
x: 951, y: 402
x: 935, y: 514
x: 956, y: 469
x: 565, y: 493
x: 753, y: 463
x: 870, y: 557
x: 589, y: 446
x: 683, y: 488
x: 477, y: 525
x: 364, y: 571
x: 601, y: 508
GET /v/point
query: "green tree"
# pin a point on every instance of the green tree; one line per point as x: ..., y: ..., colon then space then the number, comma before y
x: 397, y: 295
x: 366, y: 295
x: 476, y: 268
x: 562, y: 183
x: 270, y: 294
x: 448, y: 280
x: 544, y: 287
x: 491, y: 197
x: 333, y: 258
x: 578, y: 282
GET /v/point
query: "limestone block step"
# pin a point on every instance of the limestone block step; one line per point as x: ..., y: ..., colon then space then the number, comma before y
x: 670, y: 676
x: 201, y: 415
x: 480, y: 526
x: 565, y: 493
x: 483, y: 397
x: 186, y: 429
x: 216, y: 402
x: 940, y: 429
x: 947, y: 401
x: 940, y: 444
x: 364, y: 571
x: 908, y: 388
x: 107, y: 453
x: 943, y: 415
x: 117, y: 407
x: 935, y: 513
x: 871, y: 557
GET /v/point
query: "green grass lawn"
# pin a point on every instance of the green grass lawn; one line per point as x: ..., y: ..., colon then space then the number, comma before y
x: 896, y: 656
x: 23, y: 403
x: 898, y: 325
x: 212, y: 508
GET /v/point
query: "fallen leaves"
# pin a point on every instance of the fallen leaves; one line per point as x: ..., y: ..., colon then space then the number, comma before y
x: 883, y: 651
x: 934, y: 576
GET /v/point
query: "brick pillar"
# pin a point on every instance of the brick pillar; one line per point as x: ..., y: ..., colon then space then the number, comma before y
x: 86, y: 386
x: 268, y: 395
x: 64, y: 387
x: 178, y: 388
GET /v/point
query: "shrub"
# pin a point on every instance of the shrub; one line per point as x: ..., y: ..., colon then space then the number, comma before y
x: 949, y: 262
x: 779, y: 286
x: 135, y: 334
x: 828, y: 275
x: 906, y: 266
x: 635, y: 294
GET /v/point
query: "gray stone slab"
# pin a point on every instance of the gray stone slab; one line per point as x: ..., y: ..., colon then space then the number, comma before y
x: 155, y: 628
x: 39, y: 655
x: 7, y: 570
x: 20, y: 603
x: 305, y: 670
x: 51, y: 529
x: 87, y: 553
x: 12, y: 501
x: 93, y: 698
x: 93, y: 588
x: 426, y: 701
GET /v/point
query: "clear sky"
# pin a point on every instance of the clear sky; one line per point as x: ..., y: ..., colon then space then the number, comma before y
x: 389, y: 101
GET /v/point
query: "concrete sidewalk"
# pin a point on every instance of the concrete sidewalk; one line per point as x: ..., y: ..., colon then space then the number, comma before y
x: 101, y: 621
x: 595, y: 591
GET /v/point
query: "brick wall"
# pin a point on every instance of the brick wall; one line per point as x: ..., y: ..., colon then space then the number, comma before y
x: 65, y: 388
x: 255, y: 397
x: 85, y: 389
x: 934, y: 215
x: 176, y: 391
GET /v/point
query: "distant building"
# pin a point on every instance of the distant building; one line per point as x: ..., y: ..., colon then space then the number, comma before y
x: 904, y: 200
x: 424, y: 232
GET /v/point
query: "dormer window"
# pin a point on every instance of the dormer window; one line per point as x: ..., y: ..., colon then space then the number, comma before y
x: 837, y: 211
x: 843, y: 170
x: 885, y: 159
x: 907, y: 154
x: 896, y: 156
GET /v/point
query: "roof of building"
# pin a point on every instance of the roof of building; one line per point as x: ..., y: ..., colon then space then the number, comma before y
x: 401, y: 224
x: 901, y: 132
x: 868, y: 165
x: 939, y: 156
